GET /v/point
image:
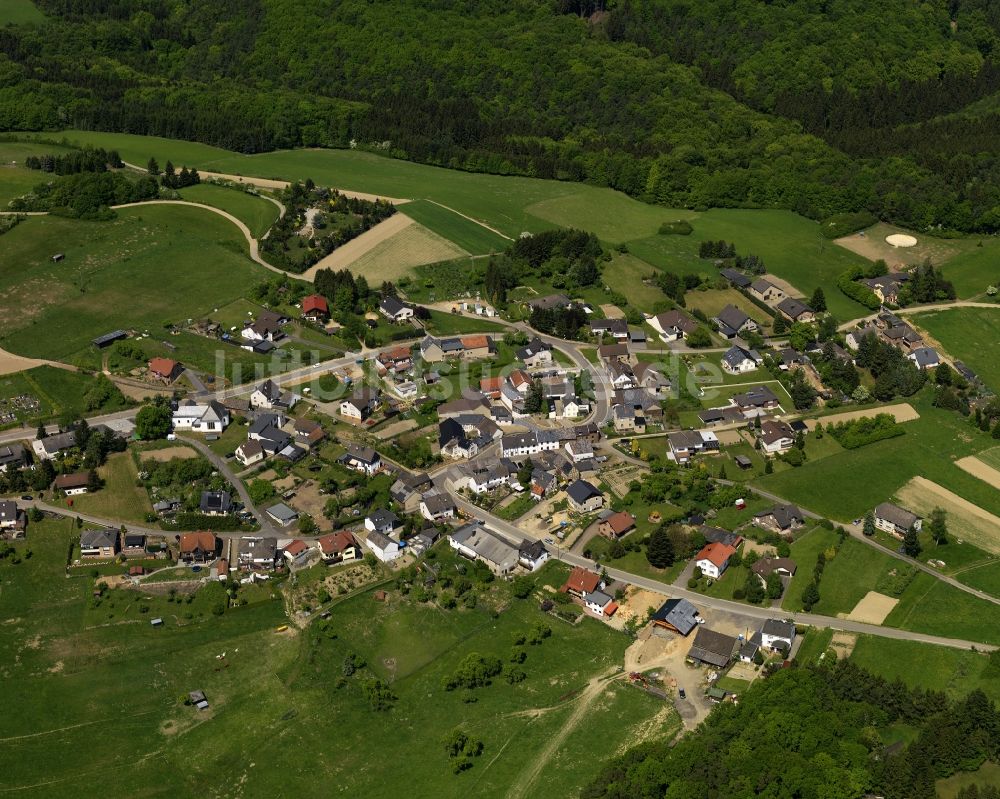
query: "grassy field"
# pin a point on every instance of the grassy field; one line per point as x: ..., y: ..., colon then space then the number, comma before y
x: 18, y: 12
x: 256, y: 213
x: 626, y: 275
x: 938, y: 668
x: 712, y: 301
x: 805, y: 552
x: 985, y: 578
x: 968, y: 334
x: 15, y: 178
x: 60, y: 393
x: 856, y: 570
x: 931, y: 606
x: 414, y: 245
x: 845, y: 485
x: 120, y: 499
x: 449, y: 324
x: 815, y: 643
x: 77, y: 732
x: 991, y: 457
x: 466, y: 234
x: 986, y: 774
x: 152, y: 265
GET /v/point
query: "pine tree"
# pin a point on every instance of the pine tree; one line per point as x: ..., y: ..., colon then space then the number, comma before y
x: 152, y: 167
x: 768, y: 467
x: 818, y: 300
x: 911, y: 543
x: 660, y: 549
x: 869, y: 527
x: 810, y: 596
x: 938, y: 527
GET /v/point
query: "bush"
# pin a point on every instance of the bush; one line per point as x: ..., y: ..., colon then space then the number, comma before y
x: 833, y: 227
x: 865, y: 430
x: 679, y: 227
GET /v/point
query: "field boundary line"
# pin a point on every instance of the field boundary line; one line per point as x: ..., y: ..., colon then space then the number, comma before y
x: 471, y: 219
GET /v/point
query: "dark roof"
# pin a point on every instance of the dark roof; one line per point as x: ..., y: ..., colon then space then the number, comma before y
x: 784, y: 515
x: 736, y: 278
x: 784, y: 629
x: 896, y: 515
x: 755, y: 397
x: 732, y: 317
x: 716, y: 535
x: 581, y: 491
x: 767, y: 566
x: 215, y: 502
x: 94, y: 539
x: 712, y: 647
x: 391, y: 305
x: 679, y: 614
x: 531, y: 550
x: 793, y: 307
x: 107, y: 338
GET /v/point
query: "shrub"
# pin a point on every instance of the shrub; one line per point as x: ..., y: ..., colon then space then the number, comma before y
x: 679, y: 227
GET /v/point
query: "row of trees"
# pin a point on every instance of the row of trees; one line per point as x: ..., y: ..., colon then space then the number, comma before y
x: 87, y: 159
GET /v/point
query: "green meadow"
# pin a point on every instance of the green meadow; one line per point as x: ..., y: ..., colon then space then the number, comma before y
x: 19, y: 12
x: 255, y: 212
x: 470, y: 236
x: 968, y: 334
x: 15, y: 178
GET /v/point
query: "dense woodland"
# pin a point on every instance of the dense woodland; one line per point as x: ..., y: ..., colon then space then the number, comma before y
x: 813, y: 732
x: 822, y: 108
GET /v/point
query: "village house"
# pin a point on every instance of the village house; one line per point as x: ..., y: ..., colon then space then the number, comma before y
x: 765, y: 567
x: 308, y: 432
x: 610, y: 353
x: 341, y: 547
x: 685, y: 444
x: 887, y: 287
x: 924, y: 358
x: 896, y: 520
x: 436, y: 507
x: 315, y: 308
x: 198, y: 547
x: 584, y: 497
x: 677, y: 615
x: 249, y: 453
x: 476, y: 542
x: 361, y: 459
x: 72, y: 484
x: 902, y: 336
x: 384, y: 548
x: 133, y: 544
x: 738, y: 360
x: 407, y: 488
x: 216, y: 503
x: 616, y: 328
x: 99, y: 543
x: 731, y: 322
x: 532, y: 554
x: 518, y: 445
x: 12, y: 457
x: 208, y: 417
x: 361, y: 404
x: 296, y: 551
x: 730, y: 414
x: 281, y: 514
x: 716, y: 535
x: 549, y: 301
x: 616, y: 525
x: 737, y: 279
x: 756, y: 401
x: 267, y: 327
x: 257, y: 553
x: 581, y: 582
x: 269, y: 396
x: 776, y: 634
x: 536, y: 354
x: 712, y: 648
x: 672, y: 325
x: 397, y: 360
x: 395, y: 311
x: 13, y: 521
x: 853, y: 337
x: 776, y: 436
x: 381, y: 521
x: 765, y: 291
x: 627, y: 420
x: 483, y: 478
x: 713, y: 559
x: 51, y: 447
x: 795, y: 310
x: 780, y: 519
x: 600, y: 604
x: 165, y: 369
x: 579, y: 450
x: 433, y: 350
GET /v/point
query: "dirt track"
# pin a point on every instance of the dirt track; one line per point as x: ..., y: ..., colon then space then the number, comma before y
x: 977, y: 468
x: 9, y: 363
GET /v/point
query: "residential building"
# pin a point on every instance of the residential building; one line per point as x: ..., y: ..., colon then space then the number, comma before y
x: 737, y: 279
x: 395, y: 311
x: 924, y: 358
x: 765, y: 567
x: 731, y: 322
x: 615, y: 352
x: 535, y: 354
x: 600, y: 604
x: 281, y: 514
x: 616, y: 328
x: 201, y: 417
x: 308, y: 432
x: 755, y: 401
x: 713, y: 559
x: 678, y: 615
x: 381, y: 521
x: 13, y: 521
x: 776, y: 634
x: 267, y: 327
x: 51, y: 447
x: 436, y: 507
x: 712, y: 648
x: 896, y: 520
x: 517, y: 445
x: 616, y: 525
x: 672, y: 325
x: 72, y: 484
x: 270, y: 396
x: 296, y: 551
x: 165, y: 369
x: 250, y: 452
x: 341, y: 547
x: 361, y: 459
x: 13, y: 457
x: 532, y: 554
x: 361, y: 404
x: 776, y: 436
x: 99, y: 543
x: 133, y: 544
x: 579, y: 450
x: 795, y: 310
x: 685, y: 444
x: 476, y: 542
x: 549, y: 301
x: 731, y: 414
x: 216, y: 503
x: 765, y: 291
x: 738, y: 360
x: 258, y: 553
x: 407, y: 488
x: 584, y: 497
x: 581, y: 582
x: 315, y: 308
x: 383, y: 547
x: 780, y: 519
x: 716, y: 535
x: 198, y: 547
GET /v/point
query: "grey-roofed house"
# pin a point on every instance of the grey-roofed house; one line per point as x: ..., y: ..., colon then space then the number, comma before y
x: 764, y: 290
x: 712, y: 648
x: 13, y: 520
x: 731, y: 321
x: 381, y: 520
x: 12, y: 456
x: 476, y: 542
x: 737, y: 279
x: 549, y: 301
x: 781, y: 518
x: 391, y: 308
x: 216, y: 503
x: 737, y: 360
x: 437, y: 506
x: 99, y: 543
x: 925, y: 358
x: 716, y: 535
x: 795, y: 310
x: 361, y: 459
x: 52, y: 446
x: 896, y: 520
x: 109, y: 338
x: 765, y: 567
x: 584, y: 497
x: 758, y: 398
x: 532, y: 554
x: 776, y: 634
x: 678, y: 615
x: 257, y: 552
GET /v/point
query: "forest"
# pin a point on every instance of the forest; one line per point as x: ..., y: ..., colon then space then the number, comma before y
x: 816, y: 107
x: 814, y: 732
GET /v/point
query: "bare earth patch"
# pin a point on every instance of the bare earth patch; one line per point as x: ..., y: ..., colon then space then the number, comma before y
x: 904, y: 412
x: 784, y: 285
x: 729, y: 436
x: 977, y: 468
x: 345, y: 255
x: 10, y: 363
x: 168, y: 453
x: 873, y: 608
x: 843, y: 644
x: 637, y: 602
x: 613, y: 312
x: 969, y: 522
x: 872, y: 245
x: 395, y: 429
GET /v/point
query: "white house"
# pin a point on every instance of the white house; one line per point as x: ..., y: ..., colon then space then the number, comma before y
x: 250, y: 452
x: 738, y: 360
x: 518, y: 445
x: 362, y: 459
x: 475, y: 542
x: 599, y: 603
x: 776, y: 436
x: 436, y: 507
x: 392, y: 309
x: 713, y: 560
x: 207, y: 417
x: 532, y: 555
x: 269, y: 395
x: 777, y: 634
x: 579, y: 450
x: 381, y: 521
x: 896, y: 520
x: 383, y: 547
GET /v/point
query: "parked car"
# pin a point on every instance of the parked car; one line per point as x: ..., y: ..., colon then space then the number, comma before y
x: 27, y: 497
x: 682, y: 693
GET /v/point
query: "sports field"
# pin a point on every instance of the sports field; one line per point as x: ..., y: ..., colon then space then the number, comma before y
x: 150, y: 266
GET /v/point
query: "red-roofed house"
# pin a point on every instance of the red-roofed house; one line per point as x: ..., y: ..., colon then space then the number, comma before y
x: 490, y: 386
x: 339, y: 547
x: 520, y: 380
x: 198, y: 547
x: 165, y: 369
x: 581, y: 581
x: 714, y: 559
x: 617, y: 524
x: 315, y: 309
x: 296, y: 550
x: 477, y: 346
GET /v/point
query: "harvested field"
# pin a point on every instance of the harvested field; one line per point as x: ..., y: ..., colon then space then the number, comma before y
x: 843, y: 644
x: 873, y: 608
x: 969, y: 522
x: 784, y: 285
x: 904, y: 412
x: 389, y: 250
x: 977, y: 468
x: 168, y: 453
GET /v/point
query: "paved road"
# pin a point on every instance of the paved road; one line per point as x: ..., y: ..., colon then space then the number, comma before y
x: 515, y: 534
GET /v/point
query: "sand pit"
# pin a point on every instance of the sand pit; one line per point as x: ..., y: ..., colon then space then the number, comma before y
x: 977, y: 468
x: 904, y: 412
x: 901, y: 240
x: 873, y: 608
x: 168, y: 453
x: 966, y: 521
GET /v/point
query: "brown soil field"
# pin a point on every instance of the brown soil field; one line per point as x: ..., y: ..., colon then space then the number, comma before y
x: 967, y: 521
x: 168, y: 453
x: 873, y: 608
x: 904, y: 412
x: 977, y: 468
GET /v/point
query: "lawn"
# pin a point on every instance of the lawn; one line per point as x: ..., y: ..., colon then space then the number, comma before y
x: 120, y: 499
x: 985, y: 578
x: 15, y: 178
x: 449, y: 324
x: 845, y: 485
x: 627, y: 275
x: 634, y: 562
x: 464, y: 233
x: 931, y: 606
x: 714, y: 300
x: 815, y: 643
x: 805, y: 552
x: 857, y: 569
x: 150, y: 266
x: 19, y: 12
x: 255, y: 212
x: 968, y: 334
x: 986, y: 774
x: 926, y: 666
